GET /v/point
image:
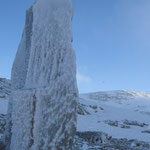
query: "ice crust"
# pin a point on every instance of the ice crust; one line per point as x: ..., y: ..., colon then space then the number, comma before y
x: 42, y: 107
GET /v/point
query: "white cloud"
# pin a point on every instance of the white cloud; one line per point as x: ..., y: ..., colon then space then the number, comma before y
x: 83, y: 79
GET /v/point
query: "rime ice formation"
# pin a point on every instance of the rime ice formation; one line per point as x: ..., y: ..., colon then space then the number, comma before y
x: 19, y: 70
x: 42, y: 107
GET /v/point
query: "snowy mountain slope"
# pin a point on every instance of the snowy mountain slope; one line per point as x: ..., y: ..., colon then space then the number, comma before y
x: 4, y: 87
x: 109, y: 119
x: 120, y: 114
x: 4, y: 93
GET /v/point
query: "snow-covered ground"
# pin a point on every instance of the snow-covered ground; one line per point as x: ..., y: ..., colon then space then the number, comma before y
x: 4, y: 94
x: 3, y: 105
x: 3, y: 111
x: 120, y: 114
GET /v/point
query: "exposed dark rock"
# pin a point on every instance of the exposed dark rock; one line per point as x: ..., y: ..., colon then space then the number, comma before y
x: 2, y: 147
x: 112, y: 123
x: 101, y: 141
x: 134, y: 123
x: 2, y: 123
x: 125, y: 126
x: 146, y: 131
x: 82, y: 110
x: 93, y: 107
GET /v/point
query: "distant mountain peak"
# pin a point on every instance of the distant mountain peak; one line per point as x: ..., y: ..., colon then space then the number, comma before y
x: 117, y: 95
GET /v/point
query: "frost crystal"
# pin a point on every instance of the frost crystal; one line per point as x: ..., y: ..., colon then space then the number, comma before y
x: 42, y: 107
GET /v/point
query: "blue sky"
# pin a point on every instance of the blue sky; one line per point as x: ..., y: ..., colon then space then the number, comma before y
x: 111, y: 41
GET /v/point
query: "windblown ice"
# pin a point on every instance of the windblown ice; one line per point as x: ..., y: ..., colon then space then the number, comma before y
x: 42, y: 107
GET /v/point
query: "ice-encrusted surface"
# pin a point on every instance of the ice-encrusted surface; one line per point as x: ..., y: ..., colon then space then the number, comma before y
x: 19, y: 70
x: 51, y: 44
x: 42, y: 106
x: 99, y: 126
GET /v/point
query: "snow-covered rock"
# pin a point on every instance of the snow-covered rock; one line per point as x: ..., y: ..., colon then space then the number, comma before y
x: 42, y: 106
x: 4, y: 88
x: 113, y: 121
x: 2, y: 124
x: 102, y: 141
x: 5, y: 91
x: 4, y: 95
x: 120, y: 114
